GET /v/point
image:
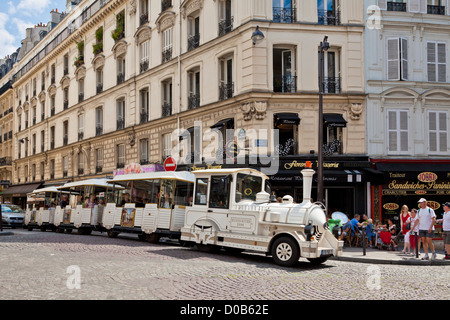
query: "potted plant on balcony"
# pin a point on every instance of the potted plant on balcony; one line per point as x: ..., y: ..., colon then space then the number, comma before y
x: 98, y: 46
x: 79, y: 60
x: 118, y: 32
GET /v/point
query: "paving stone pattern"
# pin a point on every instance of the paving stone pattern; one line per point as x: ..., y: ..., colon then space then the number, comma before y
x: 34, y: 265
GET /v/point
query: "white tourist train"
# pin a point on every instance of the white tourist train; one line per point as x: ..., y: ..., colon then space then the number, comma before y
x: 211, y: 209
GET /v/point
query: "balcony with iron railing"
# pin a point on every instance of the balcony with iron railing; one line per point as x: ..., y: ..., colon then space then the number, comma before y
x: 42, y: 116
x: 193, y: 101
x: 99, y: 88
x: 52, y: 145
x: 166, y: 109
x: 143, y: 66
x: 226, y: 91
x: 98, y: 130
x: 286, y: 83
x: 225, y: 26
x: 80, y: 97
x: 166, y: 4
x: 329, y: 17
x: 332, y: 85
x: 143, y: 19
x: 120, y: 123
x: 120, y: 78
x: 193, y: 42
x: 166, y: 55
x: 52, y: 111
x: 144, y: 117
x: 65, y: 140
x: 396, y: 6
x: 66, y: 104
x: 284, y: 15
x: 80, y: 135
x: 436, y: 10
x: 5, y: 161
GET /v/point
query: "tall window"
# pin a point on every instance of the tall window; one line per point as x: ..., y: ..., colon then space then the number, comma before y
x: 397, y: 59
x: 120, y: 107
x: 225, y: 17
x: 194, y: 89
x: 65, y: 133
x: 398, y: 137
x: 226, y: 87
x: 80, y: 163
x: 331, y: 71
x: 99, y: 78
x: 120, y: 153
x: 52, y: 169
x: 167, y: 44
x: 80, y: 90
x: 80, y: 127
x: 120, y: 70
x: 144, y: 50
x: 98, y: 121
x: 436, y: 61
x: 438, y: 132
x: 143, y: 150
x: 98, y: 160
x: 52, y: 137
x: 166, y: 98
x: 193, y: 32
x: 65, y: 166
x: 144, y: 105
x: 166, y: 145
x: 284, y: 73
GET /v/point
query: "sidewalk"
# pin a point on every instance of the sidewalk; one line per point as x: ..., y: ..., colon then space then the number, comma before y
x: 377, y: 256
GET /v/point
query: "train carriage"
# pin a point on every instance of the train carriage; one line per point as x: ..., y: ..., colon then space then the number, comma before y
x: 152, y: 204
x: 84, y: 209
x: 41, y: 207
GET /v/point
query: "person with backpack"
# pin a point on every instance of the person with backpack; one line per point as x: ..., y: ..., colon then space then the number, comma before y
x: 426, y: 219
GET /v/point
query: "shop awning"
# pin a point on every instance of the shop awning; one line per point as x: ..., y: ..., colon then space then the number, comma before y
x: 286, y: 119
x: 22, y: 190
x: 228, y: 123
x: 334, y: 120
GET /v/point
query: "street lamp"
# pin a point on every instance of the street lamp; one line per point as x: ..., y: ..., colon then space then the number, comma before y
x: 257, y: 35
x: 324, y: 46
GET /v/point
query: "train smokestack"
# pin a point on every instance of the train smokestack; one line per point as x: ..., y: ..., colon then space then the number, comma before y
x: 308, y: 174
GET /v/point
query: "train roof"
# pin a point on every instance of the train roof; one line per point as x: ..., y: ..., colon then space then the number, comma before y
x: 230, y: 171
x: 44, y: 190
x: 169, y: 175
x: 102, y: 182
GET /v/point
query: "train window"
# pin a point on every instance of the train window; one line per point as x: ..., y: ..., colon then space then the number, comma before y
x: 201, y: 190
x: 183, y: 193
x: 247, y: 186
x: 166, y: 193
x: 220, y: 192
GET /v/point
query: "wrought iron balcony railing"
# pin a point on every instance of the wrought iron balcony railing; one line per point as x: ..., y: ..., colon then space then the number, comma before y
x: 144, y: 66
x: 120, y: 78
x: 99, y: 88
x: 144, y: 117
x: 436, y: 10
x: 396, y: 6
x: 166, y: 55
x: 225, y: 26
x: 120, y: 123
x: 329, y: 17
x: 226, y: 91
x: 193, y: 101
x: 284, y: 15
x: 98, y: 130
x: 193, y: 42
x: 285, y: 83
x: 332, y: 85
x: 166, y: 4
x: 167, y: 109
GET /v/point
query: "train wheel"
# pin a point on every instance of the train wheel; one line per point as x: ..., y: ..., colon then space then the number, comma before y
x: 30, y: 228
x: 112, y: 234
x: 142, y: 236
x: 209, y: 248
x: 285, y: 252
x: 153, y: 238
x: 43, y: 229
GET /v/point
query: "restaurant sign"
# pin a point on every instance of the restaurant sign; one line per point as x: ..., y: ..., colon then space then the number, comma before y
x: 426, y: 183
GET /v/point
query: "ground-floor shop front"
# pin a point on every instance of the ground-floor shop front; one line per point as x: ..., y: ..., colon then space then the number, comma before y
x: 407, y: 181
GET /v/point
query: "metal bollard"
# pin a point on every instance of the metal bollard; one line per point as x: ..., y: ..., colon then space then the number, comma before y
x: 364, y: 240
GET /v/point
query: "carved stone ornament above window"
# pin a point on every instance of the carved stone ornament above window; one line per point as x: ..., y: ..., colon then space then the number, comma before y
x: 189, y: 7
x: 99, y: 61
x: 65, y: 82
x: 165, y: 20
x: 80, y: 73
x: 52, y: 90
x: 143, y: 34
x: 120, y: 48
x: 41, y: 96
x: 356, y: 110
x: 257, y: 108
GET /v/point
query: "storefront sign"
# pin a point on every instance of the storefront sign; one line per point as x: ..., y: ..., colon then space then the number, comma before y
x: 433, y: 205
x: 301, y: 165
x: 391, y: 206
x: 427, y: 177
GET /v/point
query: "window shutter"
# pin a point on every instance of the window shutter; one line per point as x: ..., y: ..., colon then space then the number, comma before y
x: 404, y: 57
x: 448, y: 7
x: 443, y: 143
x: 403, y: 131
x: 393, y: 67
x: 442, y: 63
x: 423, y: 6
x: 432, y: 136
x: 392, y: 125
x: 431, y: 61
x: 382, y: 4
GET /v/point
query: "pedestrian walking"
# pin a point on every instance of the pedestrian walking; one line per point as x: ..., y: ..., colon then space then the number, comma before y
x: 410, y: 239
x: 404, y: 216
x: 426, y: 218
x: 446, y: 229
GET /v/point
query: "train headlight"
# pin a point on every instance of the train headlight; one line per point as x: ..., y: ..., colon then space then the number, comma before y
x: 310, y: 230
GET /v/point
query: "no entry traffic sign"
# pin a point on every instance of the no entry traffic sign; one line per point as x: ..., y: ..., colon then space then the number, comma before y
x: 170, y: 164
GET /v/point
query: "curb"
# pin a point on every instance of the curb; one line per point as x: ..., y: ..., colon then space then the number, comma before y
x: 408, y: 262
x: 7, y: 233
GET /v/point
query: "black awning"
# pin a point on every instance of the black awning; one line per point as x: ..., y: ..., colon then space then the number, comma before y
x: 286, y: 119
x: 414, y: 167
x: 22, y: 189
x: 228, y: 123
x: 334, y: 120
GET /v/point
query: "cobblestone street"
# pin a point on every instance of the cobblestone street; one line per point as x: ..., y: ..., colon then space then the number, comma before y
x: 37, y: 265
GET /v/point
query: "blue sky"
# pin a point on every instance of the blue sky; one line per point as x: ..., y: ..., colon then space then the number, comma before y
x: 17, y: 15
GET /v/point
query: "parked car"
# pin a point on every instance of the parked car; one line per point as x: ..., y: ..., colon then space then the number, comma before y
x: 12, y: 215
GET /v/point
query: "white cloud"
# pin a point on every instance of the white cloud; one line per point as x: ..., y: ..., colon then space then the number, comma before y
x: 7, y: 40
